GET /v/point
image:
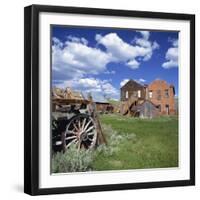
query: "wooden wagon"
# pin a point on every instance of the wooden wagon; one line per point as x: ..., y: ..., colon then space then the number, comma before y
x: 75, y: 121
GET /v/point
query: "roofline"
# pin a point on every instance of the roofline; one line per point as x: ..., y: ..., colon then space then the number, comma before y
x: 169, y: 84
x: 133, y: 81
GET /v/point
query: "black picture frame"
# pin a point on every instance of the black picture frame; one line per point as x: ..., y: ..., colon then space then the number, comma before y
x: 31, y: 98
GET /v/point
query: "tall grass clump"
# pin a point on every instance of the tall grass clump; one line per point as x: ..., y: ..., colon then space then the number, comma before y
x: 73, y: 160
x: 114, y: 139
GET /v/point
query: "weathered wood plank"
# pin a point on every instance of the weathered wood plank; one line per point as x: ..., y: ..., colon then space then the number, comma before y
x: 58, y: 101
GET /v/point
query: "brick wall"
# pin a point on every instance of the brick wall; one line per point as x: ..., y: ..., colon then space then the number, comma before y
x: 162, y: 95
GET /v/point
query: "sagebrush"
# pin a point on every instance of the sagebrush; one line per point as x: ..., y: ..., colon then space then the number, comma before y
x: 74, y: 160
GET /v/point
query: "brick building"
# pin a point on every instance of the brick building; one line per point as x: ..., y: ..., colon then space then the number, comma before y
x: 162, y: 95
x: 159, y: 93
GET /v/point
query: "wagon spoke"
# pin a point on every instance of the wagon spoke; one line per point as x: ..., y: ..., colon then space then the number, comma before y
x: 87, y: 125
x: 73, y: 141
x: 81, y: 132
x: 79, y: 124
x: 83, y: 123
x: 89, y: 129
x: 71, y: 137
x: 72, y: 132
x: 75, y: 127
x: 91, y: 133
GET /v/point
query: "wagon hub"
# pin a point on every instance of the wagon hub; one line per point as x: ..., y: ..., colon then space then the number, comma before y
x: 81, y: 131
x: 84, y: 136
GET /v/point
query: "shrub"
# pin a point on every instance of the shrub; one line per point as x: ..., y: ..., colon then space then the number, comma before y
x: 114, y: 140
x: 72, y: 160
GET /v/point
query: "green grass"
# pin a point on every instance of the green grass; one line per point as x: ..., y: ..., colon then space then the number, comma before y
x: 139, y: 143
x: 132, y: 143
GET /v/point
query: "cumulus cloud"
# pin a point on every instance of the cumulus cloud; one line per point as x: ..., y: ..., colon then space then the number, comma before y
x: 141, y: 80
x: 123, y: 82
x: 110, y: 72
x: 171, y: 56
x: 145, y: 34
x: 143, y: 42
x: 174, y: 42
x: 75, y: 58
x: 122, y: 51
x: 77, y: 39
x: 57, y: 42
x: 98, y: 88
x: 133, y: 64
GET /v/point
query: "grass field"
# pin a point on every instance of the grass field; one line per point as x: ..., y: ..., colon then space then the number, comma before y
x: 138, y: 143
x: 132, y: 143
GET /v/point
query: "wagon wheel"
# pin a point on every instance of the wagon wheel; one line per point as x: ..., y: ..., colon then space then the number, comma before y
x: 81, y: 131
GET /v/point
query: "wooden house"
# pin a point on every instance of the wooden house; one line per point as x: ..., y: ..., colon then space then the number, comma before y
x: 132, y: 89
x: 144, y: 109
x: 104, y: 107
x: 149, y: 101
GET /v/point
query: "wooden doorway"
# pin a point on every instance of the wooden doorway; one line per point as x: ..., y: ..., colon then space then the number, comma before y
x: 167, y: 109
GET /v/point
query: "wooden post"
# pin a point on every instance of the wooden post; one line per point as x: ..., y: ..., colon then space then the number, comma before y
x: 92, y: 111
x: 63, y: 141
x: 100, y: 136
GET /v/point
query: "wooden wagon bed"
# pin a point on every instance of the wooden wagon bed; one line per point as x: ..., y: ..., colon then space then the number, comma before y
x: 79, y: 123
x: 59, y: 101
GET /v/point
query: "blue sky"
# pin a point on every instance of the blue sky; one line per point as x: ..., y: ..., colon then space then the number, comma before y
x: 100, y: 60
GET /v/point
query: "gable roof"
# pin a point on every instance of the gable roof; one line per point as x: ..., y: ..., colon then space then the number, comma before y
x: 131, y: 81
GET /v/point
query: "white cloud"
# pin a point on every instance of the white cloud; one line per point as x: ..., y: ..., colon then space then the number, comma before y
x: 75, y: 58
x: 171, y: 56
x: 155, y: 45
x: 143, y: 43
x: 123, y: 82
x: 108, y: 89
x: 78, y: 40
x: 98, y: 88
x: 57, y: 42
x: 110, y: 72
x: 122, y: 51
x: 145, y: 34
x: 98, y: 37
x: 141, y: 80
x: 133, y: 64
x: 175, y: 43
